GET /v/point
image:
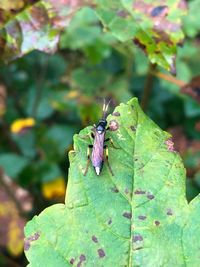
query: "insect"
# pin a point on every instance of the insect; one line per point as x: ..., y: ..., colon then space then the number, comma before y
x: 98, y: 134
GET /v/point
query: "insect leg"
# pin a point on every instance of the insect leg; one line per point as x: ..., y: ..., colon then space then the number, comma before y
x: 91, y: 134
x: 88, y: 159
x: 106, y: 148
x: 111, y: 141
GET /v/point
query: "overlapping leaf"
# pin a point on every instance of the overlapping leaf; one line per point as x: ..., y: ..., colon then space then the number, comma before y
x: 154, y: 25
x: 28, y: 25
x: 138, y: 217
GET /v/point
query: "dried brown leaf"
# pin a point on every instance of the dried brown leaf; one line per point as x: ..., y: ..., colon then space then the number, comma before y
x: 13, y: 201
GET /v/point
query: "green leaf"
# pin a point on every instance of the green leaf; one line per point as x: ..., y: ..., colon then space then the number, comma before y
x: 191, y: 25
x: 61, y: 136
x: 49, y: 171
x: 26, y: 143
x: 43, y: 108
x: 89, y: 80
x: 138, y: 217
x: 12, y: 164
x: 155, y: 27
x: 83, y: 31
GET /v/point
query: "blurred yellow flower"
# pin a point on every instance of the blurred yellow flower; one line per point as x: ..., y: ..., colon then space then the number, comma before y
x: 72, y: 94
x: 21, y: 124
x: 54, y: 189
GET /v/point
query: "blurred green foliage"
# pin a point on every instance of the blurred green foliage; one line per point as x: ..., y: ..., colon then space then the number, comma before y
x: 64, y: 92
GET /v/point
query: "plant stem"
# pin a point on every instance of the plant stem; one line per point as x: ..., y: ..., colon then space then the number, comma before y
x: 168, y: 78
x: 148, y: 86
x: 39, y: 87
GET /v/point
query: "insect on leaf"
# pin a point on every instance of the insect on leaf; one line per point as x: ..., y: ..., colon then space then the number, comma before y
x: 138, y: 217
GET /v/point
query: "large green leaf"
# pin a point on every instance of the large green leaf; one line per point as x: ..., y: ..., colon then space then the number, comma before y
x: 138, y: 217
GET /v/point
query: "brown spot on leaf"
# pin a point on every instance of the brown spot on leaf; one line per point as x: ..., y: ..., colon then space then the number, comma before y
x: 113, y: 125
x: 117, y: 114
x: 137, y: 238
x: 122, y: 13
x: 72, y: 261
x: 94, y: 239
x: 101, y: 253
x: 126, y: 191
x: 133, y: 128
x: 34, y: 237
x: 170, y: 145
x: 181, y: 142
x: 110, y: 221
x: 127, y: 215
x: 138, y: 248
x: 28, y: 240
x: 82, y: 258
x: 139, y: 192
x: 142, y: 217
x: 114, y: 190
x: 158, y: 10
x: 27, y: 245
x: 157, y: 223
x: 169, y: 212
x: 149, y: 196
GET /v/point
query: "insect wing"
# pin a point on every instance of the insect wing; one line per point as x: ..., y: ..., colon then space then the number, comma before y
x: 97, y: 151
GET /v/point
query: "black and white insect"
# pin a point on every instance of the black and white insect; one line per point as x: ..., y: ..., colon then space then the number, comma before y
x: 99, y: 148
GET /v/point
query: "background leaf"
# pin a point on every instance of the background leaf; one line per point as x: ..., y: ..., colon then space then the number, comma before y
x: 12, y: 164
x: 154, y: 26
x: 122, y: 219
x: 29, y: 25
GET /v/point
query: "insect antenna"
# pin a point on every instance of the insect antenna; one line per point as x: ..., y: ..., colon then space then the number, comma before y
x: 105, y: 108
